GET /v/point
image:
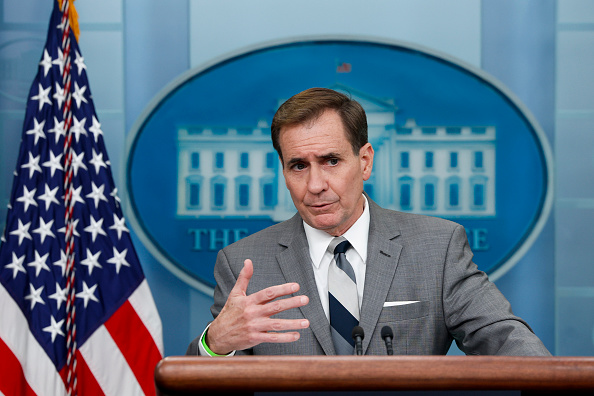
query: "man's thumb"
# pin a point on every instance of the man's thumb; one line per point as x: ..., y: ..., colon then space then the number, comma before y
x: 244, y: 277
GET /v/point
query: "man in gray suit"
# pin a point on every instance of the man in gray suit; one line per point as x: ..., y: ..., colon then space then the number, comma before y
x: 412, y: 273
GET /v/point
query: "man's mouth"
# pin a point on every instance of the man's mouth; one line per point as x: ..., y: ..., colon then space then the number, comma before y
x: 320, y: 206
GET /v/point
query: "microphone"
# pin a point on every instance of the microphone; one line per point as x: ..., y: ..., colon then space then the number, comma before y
x: 387, y: 335
x: 358, y: 334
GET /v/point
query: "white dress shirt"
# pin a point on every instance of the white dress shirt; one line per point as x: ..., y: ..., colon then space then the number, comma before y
x: 321, y: 258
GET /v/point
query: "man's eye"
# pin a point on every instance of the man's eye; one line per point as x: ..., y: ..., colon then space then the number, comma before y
x: 299, y: 166
x: 333, y: 161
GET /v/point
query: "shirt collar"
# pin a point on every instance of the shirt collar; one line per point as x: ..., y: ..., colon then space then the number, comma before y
x: 357, y: 235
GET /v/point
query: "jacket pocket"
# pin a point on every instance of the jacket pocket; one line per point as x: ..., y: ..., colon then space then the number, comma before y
x: 404, y: 312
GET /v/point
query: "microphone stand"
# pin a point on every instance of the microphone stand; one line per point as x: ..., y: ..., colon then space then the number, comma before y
x: 358, y: 334
x: 388, y: 335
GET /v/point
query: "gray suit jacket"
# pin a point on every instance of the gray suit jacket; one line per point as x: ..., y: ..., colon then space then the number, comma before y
x: 410, y: 258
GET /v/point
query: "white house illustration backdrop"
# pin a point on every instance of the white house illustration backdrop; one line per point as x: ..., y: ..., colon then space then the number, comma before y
x: 440, y: 170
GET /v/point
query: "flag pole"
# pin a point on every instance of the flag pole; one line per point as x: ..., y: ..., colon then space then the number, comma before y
x: 67, y: 10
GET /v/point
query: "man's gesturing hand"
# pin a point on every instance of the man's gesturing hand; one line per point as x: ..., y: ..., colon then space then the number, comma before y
x: 246, y: 321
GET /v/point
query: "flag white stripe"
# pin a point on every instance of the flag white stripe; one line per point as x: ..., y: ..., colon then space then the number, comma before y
x: 108, y: 365
x: 39, y: 370
x: 143, y: 303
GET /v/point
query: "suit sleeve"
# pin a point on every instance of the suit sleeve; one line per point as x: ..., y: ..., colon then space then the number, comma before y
x: 477, y: 314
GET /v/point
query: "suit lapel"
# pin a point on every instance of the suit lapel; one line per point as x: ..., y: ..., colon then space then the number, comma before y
x: 383, y: 254
x: 296, y: 266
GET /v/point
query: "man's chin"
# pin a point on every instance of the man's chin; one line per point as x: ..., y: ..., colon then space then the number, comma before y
x: 324, y: 222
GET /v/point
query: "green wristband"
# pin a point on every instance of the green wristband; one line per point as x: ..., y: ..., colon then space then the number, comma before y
x: 211, y: 353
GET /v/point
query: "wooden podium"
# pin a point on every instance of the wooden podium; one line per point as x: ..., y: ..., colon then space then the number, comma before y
x: 248, y: 374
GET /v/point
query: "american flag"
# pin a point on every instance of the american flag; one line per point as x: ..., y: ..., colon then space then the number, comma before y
x: 344, y: 68
x: 77, y: 315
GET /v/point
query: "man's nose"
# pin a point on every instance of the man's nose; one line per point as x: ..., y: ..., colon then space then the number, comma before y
x: 318, y: 180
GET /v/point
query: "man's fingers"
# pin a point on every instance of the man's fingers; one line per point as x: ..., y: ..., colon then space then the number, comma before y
x: 272, y: 292
x: 277, y: 306
x: 243, y: 279
x: 276, y: 330
x: 276, y: 325
x: 290, y: 336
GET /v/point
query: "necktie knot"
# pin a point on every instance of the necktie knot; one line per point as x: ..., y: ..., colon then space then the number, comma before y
x: 342, y: 247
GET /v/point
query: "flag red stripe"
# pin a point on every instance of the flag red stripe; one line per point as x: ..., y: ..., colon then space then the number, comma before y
x: 12, y: 380
x: 87, y: 384
x: 132, y: 337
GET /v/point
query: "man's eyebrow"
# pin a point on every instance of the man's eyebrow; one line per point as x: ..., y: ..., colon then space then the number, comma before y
x: 296, y: 160
x: 293, y: 161
x: 329, y: 155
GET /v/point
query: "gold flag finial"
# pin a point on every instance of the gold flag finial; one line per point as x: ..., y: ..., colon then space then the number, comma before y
x: 73, y: 17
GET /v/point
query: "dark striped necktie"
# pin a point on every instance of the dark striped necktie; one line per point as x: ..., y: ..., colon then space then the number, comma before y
x: 343, y: 298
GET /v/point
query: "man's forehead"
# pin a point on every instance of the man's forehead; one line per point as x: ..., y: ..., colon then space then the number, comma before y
x: 312, y: 120
x: 317, y: 145
x: 321, y: 136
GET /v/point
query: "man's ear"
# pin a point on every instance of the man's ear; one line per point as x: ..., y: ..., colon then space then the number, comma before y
x: 366, y: 157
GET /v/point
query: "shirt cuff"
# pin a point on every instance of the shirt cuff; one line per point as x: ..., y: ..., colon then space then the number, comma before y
x: 204, y: 349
